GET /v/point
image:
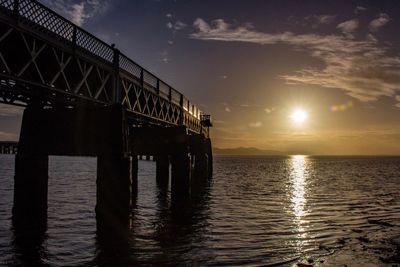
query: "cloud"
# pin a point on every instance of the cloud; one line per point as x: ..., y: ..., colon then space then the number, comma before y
x: 347, y: 62
x: 398, y: 100
x: 226, y: 107
x: 177, y: 26
x: 78, y: 11
x: 359, y: 9
x: 165, y: 56
x: 348, y: 27
x: 169, y: 15
x: 269, y: 110
x: 379, y: 22
x: 256, y: 124
x: 326, y: 19
x: 318, y: 20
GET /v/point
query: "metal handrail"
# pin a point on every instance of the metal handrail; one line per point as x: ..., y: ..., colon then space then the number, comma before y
x: 39, y: 14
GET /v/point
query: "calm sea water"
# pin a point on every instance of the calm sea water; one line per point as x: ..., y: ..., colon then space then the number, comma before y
x: 255, y: 211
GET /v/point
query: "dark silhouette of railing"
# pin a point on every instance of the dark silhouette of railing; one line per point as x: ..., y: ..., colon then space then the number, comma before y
x: 45, y: 57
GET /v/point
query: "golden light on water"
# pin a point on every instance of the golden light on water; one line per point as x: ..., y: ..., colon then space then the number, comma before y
x: 298, y: 198
x: 298, y: 182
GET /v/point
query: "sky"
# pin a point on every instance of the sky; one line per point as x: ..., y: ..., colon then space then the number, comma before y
x: 251, y: 64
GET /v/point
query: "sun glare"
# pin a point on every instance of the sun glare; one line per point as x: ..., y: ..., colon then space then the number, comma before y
x: 299, y: 116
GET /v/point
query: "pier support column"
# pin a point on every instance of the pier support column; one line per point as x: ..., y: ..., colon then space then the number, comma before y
x: 201, y: 165
x: 113, y: 206
x: 209, y: 153
x: 31, y: 174
x: 181, y: 172
x: 134, y: 179
x: 162, y: 171
x: 114, y: 173
x: 30, y: 190
x: 199, y: 149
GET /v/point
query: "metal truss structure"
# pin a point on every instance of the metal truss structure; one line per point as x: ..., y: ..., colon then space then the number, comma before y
x: 46, y: 59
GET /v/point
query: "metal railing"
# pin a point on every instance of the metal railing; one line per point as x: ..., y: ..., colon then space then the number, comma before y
x: 40, y: 17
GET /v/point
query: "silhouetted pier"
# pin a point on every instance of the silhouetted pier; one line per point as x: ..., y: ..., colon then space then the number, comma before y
x: 85, y: 98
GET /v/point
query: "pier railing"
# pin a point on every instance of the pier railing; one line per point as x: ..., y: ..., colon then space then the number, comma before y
x: 167, y: 104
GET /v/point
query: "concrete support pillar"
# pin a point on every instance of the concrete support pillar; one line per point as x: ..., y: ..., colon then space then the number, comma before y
x: 31, y: 175
x: 181, y: 172
x: 114, y: 173
x: 162, y: 171
x: 201, y: 165
x: 199, y: 148
x: 113, y: 206
x: 134, y: 184
x: 30, y: 190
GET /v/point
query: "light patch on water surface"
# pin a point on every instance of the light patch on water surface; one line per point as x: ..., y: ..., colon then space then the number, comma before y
x: 298, y: 198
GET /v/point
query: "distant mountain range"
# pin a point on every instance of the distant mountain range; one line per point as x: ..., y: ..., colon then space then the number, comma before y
x: 246, y: 151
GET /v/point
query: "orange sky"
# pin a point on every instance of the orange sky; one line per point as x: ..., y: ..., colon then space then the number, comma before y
x: 252, y: 63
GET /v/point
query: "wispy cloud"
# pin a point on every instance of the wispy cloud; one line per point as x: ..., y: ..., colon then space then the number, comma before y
x: 269, y: 110
x: 78, y: 11
x: 348, y: 27
x: 379, y: 22
x: 176, y: 26
x: 398, y: 101
x: 318, y: 20
x: 226, y: 107
x: 347, y: 61
x: 165, y: 56
x: 256, y: 124
x: 326, y: 19
x: 359, y: 9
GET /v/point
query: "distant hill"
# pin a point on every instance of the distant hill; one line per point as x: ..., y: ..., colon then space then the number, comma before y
x: 245, y: 151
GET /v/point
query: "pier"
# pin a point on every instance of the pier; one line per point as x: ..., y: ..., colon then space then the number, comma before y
x: 83, y: 97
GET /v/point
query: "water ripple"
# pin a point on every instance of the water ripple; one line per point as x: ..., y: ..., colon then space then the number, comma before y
x: 256, y: 211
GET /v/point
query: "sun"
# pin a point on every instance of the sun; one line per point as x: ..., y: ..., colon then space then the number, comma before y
x: 299, y: 116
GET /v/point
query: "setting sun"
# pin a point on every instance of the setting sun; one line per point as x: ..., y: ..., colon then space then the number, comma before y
x: 299, y: 116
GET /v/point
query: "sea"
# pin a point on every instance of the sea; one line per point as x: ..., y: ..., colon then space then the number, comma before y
x: 254, y: 211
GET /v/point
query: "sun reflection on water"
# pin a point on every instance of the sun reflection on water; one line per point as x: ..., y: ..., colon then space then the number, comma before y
x: 298, y: 181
